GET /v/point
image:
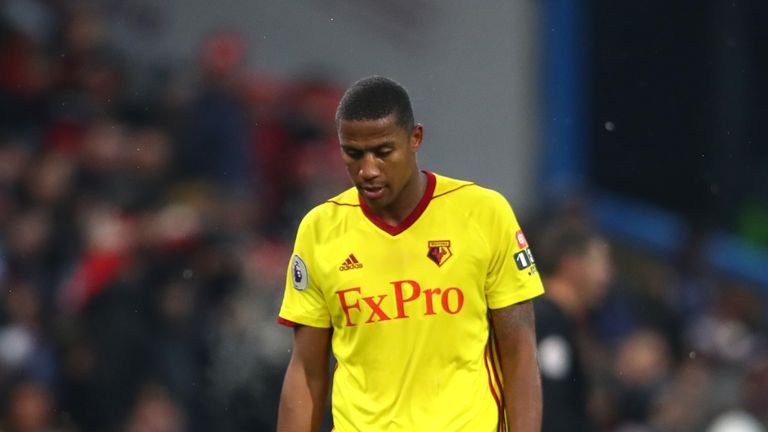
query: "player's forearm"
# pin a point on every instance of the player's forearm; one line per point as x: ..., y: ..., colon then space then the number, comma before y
x: 302, y: 401
x: 522, y: 393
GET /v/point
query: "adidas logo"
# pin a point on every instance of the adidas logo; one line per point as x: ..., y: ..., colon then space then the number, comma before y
x: 351, y: 263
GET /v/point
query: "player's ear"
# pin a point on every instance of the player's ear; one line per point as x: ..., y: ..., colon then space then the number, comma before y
x: 417, y: 135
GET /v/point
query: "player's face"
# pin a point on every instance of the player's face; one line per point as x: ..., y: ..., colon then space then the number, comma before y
x: 380, y: 157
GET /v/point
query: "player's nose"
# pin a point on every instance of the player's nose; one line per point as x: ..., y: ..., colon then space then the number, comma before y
x: 369, y: 169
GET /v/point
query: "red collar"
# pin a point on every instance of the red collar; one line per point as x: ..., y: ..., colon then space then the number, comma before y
x: 411, y: 218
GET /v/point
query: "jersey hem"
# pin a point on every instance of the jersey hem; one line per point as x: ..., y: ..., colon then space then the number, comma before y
x: 285, y: 322
x: 519, y: 297
x: 284, y: 318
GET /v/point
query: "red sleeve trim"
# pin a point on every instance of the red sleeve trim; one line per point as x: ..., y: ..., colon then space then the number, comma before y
x: 285, y: 322
x: 411, y: 218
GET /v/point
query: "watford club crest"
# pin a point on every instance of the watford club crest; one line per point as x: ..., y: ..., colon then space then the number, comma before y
x: 439, y: 251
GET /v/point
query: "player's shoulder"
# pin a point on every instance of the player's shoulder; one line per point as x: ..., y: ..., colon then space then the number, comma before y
x: 467, y: 192
x: 330, y: 211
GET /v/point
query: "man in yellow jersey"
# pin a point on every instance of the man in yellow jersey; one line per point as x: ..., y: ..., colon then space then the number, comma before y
x: 419, y: 284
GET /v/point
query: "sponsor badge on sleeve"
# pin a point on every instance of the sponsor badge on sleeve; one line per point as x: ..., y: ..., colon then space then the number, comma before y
x: 299, y: 274
x: 521, y: 242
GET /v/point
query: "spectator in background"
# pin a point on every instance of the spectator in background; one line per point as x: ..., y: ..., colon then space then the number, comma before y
x: 155, y: 411
x: 121, y: 298
x: 132, y: 297
x: 641, y: 369
x: 736, y: 421
x: 29, y: 408
x: 25, y: 347
x: 576, y: 269
x: 215, y: 145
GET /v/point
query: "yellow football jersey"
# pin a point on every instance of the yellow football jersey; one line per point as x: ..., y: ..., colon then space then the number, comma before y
x: 409, y: 305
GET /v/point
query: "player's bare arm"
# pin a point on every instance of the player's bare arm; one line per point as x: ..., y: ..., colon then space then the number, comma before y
x: 305, y: 388
x: 515, y: 331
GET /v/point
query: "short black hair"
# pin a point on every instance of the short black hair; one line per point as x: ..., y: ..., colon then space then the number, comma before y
x: 561, y: 240
x: 374, y: 98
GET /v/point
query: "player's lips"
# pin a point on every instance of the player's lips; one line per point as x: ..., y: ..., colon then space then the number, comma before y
x: 373, y: 192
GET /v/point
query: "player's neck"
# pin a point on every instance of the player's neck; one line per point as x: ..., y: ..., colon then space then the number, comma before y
x: 406, y: 202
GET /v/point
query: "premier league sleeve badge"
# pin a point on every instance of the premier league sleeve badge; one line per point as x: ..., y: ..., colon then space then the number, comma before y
x: 299, y: 273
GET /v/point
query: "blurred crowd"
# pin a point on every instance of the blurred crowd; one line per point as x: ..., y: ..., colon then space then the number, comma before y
x: 146, y: 219
x: 664, y: 343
